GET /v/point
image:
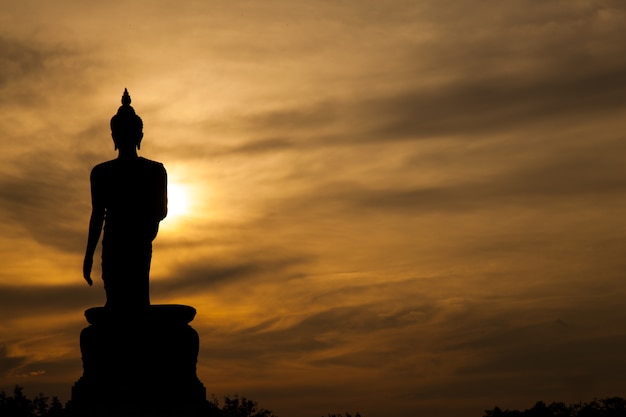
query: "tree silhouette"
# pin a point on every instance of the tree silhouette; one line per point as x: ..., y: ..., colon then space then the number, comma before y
x: 243, y: 407
x: 18, y: 405
x: 606, y: 407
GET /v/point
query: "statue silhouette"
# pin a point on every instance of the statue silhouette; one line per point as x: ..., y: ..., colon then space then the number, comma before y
x: 129, y: 198
x: 138, y: 359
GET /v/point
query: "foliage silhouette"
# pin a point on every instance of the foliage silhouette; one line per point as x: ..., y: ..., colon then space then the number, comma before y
x: 18, y: 405
x: 605, y: 407
x: 242, y: 407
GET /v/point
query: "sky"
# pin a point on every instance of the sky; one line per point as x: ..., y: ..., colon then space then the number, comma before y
x: 399, y: 208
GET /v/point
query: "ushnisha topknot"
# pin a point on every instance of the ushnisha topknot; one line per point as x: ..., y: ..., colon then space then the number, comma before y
x: 126, y: 124
x: 126, y: 98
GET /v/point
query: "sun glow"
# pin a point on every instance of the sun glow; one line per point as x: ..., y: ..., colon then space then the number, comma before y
x: 178, y: 204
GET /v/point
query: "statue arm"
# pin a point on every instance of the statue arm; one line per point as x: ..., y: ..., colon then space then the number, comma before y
x: 95, y: 228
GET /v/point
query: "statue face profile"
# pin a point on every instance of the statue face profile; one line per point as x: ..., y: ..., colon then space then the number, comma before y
x: 129, y: 199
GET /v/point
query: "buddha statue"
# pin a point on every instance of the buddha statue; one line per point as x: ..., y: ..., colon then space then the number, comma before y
x: 129, y: 199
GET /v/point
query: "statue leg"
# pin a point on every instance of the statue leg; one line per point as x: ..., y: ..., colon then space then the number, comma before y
x: 125, y: 272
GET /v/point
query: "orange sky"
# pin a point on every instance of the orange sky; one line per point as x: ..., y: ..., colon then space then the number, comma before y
x: 402, y: 208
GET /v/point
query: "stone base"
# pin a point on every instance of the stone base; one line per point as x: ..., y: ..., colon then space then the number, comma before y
x: 139, y: 363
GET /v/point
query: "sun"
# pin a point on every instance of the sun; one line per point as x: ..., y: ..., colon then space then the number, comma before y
x: 178, y: 203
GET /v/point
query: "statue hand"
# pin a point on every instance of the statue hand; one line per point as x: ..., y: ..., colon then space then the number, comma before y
x: 87, y: 264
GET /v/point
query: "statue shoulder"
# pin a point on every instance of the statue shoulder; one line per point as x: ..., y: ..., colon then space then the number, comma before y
x: 102, y: 168
x: 152, y: 164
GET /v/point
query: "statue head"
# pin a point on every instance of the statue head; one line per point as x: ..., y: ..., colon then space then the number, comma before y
x: 126, y: 126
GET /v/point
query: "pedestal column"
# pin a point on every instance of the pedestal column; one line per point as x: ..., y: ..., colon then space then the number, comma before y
x: 139, y: 363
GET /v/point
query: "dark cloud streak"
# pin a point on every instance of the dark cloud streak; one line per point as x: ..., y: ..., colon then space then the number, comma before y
x: 19, y: 60
x: 40, y: 300
x: 554, y: 182
x: 46, y: 198
x: 207, y: 274
x: 467, y: 107
x: 8, y: 363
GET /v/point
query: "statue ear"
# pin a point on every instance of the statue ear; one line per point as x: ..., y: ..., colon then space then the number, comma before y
x: 139, y: 141
x: 114, y: 141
